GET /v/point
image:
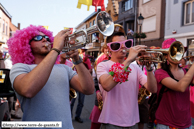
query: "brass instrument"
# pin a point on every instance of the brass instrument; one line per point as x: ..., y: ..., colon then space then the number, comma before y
x: 105, y: 26
x: 72, y: 94
x: 176, y: 52
x: 143, y: 93
x: 100, y: 105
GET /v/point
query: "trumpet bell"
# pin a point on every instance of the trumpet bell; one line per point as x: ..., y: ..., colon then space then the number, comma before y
x: 104, y: 25
x: 176, y: 51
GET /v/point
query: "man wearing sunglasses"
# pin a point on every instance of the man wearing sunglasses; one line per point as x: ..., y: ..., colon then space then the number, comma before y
x: 119, y: 86
x: 42, y: 86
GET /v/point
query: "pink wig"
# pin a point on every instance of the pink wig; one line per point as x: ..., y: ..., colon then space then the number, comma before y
x: 19, y: 47
x: 167, y: 43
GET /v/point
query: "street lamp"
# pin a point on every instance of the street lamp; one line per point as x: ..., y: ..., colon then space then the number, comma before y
x: 140, y: 22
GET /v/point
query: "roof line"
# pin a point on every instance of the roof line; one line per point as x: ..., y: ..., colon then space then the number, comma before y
x: 4, y: 10
x: 91, y: 15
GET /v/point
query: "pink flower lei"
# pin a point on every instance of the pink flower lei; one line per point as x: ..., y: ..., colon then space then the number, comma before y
x: 119, y: 73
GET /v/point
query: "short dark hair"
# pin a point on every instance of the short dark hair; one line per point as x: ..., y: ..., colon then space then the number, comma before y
x: 109, y: 38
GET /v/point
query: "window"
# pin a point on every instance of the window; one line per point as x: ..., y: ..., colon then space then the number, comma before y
x: 144, y: 1
x: 126, y: 5
x: 90, y: 24
x: 189, y: 12
x: 6, y: 27
x: 93, y: 22
x: 149, y: 24
x: 176, y: 1
x: 3, y: 26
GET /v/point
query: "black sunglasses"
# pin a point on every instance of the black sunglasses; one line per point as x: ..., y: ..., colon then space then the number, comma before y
x: 115, y: 46
x: 40, y: 37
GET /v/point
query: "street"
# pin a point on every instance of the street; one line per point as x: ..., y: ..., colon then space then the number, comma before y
x: 88, y: 106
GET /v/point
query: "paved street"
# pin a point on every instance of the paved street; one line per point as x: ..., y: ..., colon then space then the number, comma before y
x: 88, y: 105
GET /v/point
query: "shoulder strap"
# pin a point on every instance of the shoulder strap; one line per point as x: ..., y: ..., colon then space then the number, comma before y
x: 160, y: 94
x: 163, y: 88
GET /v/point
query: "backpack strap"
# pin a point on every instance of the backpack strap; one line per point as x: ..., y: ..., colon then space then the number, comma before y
x: 160, y: 94
x: 162, y: 90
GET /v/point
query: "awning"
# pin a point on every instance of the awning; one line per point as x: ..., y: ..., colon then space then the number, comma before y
x: 1, y: 42
x: 93, y: 49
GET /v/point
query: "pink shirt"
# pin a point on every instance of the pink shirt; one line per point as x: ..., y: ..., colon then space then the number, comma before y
x: 192, y: 100
x: 101, y: 58
x: 174, y: 108
x: 88, y: 63
x: 120, y: 105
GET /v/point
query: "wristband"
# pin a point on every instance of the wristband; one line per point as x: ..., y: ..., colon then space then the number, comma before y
x: 119, y: 73
x: 57, y: 50
x: 78, y: 62
x: 149, y: 70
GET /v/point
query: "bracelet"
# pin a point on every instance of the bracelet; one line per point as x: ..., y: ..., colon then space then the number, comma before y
x: 149, y: 70
x: 77, y: 62
x: 119, y: 73
x: 57, y: 50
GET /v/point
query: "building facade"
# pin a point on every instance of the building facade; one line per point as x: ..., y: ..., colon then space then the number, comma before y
x: 5, y: 20
x: 126, y: 14
x: 179, y: 23
x: 153, y: 12
x: 113, y: 9
x: 95, y: 38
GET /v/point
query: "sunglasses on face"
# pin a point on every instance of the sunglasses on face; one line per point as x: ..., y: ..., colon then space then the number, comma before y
x: 40, y: 37
x: 115, y: 46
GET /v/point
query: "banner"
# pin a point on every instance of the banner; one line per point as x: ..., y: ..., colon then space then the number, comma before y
x: 69, y: 28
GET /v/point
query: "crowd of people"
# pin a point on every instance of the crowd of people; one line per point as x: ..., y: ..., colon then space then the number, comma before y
x: 42, y: 76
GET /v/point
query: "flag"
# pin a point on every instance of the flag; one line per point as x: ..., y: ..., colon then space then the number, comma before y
x: 46, y: 27
x: 98, y: 3
x: 93, y: 3
x: 85, y: 2
x: 69, y: 28
x: 95, y: 35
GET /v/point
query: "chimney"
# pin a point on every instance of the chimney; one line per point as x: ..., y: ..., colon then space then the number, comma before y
x: 19, y: 26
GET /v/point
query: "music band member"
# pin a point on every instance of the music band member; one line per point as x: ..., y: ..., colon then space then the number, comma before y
x: 119, y: 83
x: 42, y: 86
x: 174, y: 107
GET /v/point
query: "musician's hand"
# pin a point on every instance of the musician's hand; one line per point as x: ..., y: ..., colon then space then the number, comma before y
x: 148, y: 65
x: 99, y: 96
x: 59, y: 39
x: 134, y: 51
x: 74, y: 54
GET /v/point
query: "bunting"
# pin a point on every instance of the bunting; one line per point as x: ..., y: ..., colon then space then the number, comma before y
x: 46, y: 27
x: 69, y: 28
x: 93, y: 3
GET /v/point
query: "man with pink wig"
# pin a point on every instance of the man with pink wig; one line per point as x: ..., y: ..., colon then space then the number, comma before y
x: 42, y: 86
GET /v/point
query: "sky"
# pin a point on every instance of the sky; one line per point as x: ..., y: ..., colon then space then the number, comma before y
x: 56, y: 14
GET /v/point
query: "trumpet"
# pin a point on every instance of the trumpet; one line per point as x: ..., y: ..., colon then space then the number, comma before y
x: 72, y: 94
x: 105, y: 26
x: 143, y: 93
x: 176, y: 52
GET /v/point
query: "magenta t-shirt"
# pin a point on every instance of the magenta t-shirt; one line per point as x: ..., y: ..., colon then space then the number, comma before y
x: 174, y: 107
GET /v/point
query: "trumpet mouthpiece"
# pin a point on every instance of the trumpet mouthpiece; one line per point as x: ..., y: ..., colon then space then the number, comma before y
x: 46, y: 45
